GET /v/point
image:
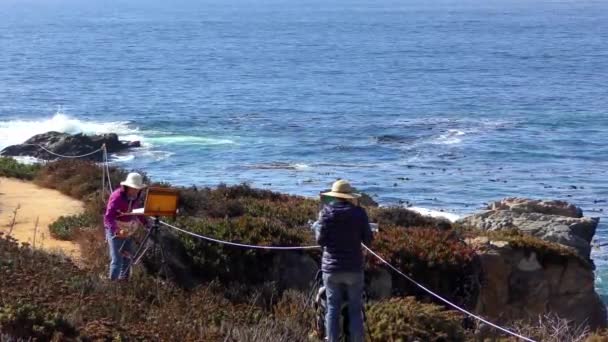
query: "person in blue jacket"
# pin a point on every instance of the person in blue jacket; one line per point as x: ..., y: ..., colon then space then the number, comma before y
x: 341, y: 228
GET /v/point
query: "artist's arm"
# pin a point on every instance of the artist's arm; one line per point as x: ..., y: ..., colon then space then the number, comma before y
x: 112, y: 212
x: 321, y: 227
x: 367, y: 235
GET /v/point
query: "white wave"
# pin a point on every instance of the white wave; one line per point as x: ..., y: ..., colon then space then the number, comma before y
x: 281, y: 166
x: 452, y: 137
x: 121, y: 158
x: 301, y: 167
x: 435, y: 213
x: 189, y: 140
x: 17, y: 131
x: 157, y: 155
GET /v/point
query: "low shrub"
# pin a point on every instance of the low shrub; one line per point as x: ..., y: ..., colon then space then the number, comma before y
x: 65, y: 227
x: 31, y: 322
x: 142, y: 309
x: 551, y: 328
x: 405, y: 319
x: 438, y: 259
x: 230, y: 263
x: 77, y: 178
x: 240, y: 200
x: 147, y: 308
x: 11, y: 168
x: 291, y: 319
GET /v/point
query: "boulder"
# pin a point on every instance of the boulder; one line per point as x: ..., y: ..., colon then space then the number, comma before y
x: 516, y: 286
x: 68, y: 145
x: 540, y: 219
x: 294, y: 270
x: 547, y: 207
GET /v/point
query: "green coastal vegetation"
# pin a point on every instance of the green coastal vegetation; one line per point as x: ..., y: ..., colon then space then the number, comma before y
x: 47, y: 296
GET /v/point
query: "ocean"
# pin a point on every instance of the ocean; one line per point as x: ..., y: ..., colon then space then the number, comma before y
x: 445, y: 105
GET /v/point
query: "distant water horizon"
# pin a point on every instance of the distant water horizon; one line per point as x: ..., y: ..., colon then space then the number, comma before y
x: 444, y: 106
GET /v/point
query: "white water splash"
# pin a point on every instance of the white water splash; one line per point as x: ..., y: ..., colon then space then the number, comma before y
x: 189, y: 140
x: 435, y: 213
x: 17, y: 131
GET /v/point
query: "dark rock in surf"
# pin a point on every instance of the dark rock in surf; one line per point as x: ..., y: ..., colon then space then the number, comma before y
x: 68, y: 145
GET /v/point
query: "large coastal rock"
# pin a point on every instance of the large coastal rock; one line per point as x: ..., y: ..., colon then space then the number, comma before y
x: 553, y: 221
x: 547, y: 207
x: 519, y: 285
x: 68, y: 145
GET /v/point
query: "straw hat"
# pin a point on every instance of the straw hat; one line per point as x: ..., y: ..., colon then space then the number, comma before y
x: 134, y: 180
x: 342, y: 189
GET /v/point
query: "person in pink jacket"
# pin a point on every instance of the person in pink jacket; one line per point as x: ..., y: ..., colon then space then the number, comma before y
x: 119, y: 227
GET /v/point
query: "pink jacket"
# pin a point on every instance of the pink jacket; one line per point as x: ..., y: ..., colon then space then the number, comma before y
x: 118, y: 204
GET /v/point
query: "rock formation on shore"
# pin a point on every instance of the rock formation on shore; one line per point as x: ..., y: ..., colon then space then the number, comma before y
x: 554, y: 221
x: 68, y: 145
x: 518, y: 283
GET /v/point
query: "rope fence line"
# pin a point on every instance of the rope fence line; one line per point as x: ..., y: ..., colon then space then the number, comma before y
x: 106, y: 172
x: 103, y: 179
x: 479, y: 318
x: 106, y: 169
x: 242, y: 245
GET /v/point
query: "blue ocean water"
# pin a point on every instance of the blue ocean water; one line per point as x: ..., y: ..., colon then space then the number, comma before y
x: 444, y: 105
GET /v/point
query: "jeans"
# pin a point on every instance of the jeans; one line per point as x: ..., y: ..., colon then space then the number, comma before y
x: 119, y: 261
x: 339, y: 288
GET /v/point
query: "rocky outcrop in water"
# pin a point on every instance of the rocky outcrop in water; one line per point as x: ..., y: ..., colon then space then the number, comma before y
x: 68, y: 145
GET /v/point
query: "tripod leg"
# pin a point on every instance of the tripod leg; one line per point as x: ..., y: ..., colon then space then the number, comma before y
x: 163, y: 261
x: 142, y: 247
x: 138, y: 259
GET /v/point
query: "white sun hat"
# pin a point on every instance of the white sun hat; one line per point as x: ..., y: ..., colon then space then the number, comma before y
x: 134, y: 180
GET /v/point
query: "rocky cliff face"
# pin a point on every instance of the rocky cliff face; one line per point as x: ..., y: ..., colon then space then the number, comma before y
x: 69, y: 145
x: 519, y: 283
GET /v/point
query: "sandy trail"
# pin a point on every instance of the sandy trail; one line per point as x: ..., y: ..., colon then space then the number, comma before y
x: 35, y: 202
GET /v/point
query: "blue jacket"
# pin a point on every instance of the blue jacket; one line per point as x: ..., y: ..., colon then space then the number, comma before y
x: 340, y: 230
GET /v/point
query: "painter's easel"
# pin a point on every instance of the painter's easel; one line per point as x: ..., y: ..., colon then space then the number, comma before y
x: 160, y: 202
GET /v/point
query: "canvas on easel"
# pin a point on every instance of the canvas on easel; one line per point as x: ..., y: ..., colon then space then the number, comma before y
x: 161, y: 202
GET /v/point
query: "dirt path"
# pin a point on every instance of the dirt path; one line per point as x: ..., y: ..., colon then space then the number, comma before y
x: 34, y: 203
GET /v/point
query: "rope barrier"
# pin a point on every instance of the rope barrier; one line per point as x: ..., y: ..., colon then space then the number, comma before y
x: 445, y: 300
x: 106, y: 169
x: 481, y: 319
x: 239, y: 244
x: 103, y: 178
x: 64, y: 156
